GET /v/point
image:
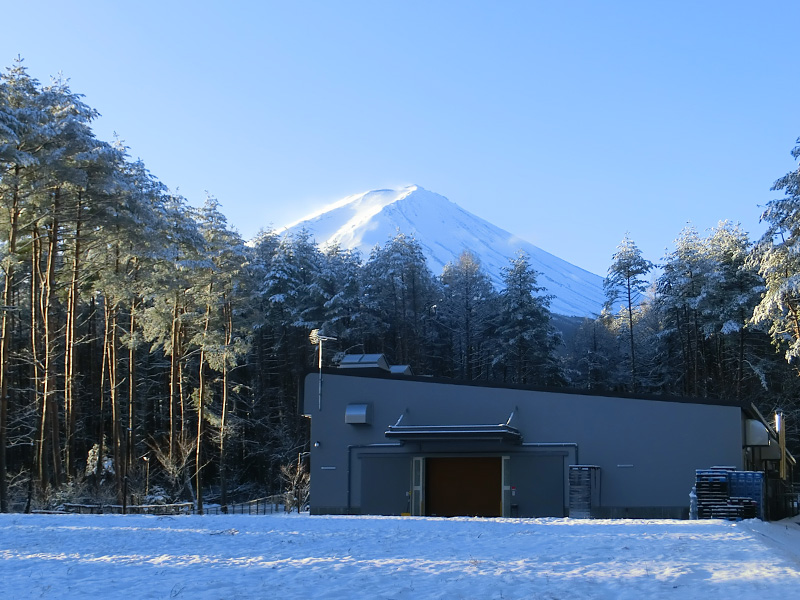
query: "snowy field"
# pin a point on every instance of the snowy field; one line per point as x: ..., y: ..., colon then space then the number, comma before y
x: 300, y: 556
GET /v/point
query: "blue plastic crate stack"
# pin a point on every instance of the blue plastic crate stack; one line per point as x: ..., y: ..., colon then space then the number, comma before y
x: 724, y: 493
x: 748, y: 487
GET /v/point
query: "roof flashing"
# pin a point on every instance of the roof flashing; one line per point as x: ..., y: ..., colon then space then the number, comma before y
x: 445, y: 433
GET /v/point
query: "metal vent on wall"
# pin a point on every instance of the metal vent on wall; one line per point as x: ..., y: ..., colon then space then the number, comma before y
x: 755, y: 433
x: 356, y: 414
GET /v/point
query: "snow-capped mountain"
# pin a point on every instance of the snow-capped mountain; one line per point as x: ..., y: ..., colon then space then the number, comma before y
x: 444, y: 230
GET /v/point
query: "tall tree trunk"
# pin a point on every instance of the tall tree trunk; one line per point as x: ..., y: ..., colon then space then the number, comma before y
x: 39, y: 455
x: 173, y: 379
x: 101, y: 433
x: 182, y: 419
x: 5, y: 339
x: 740, y: 366
x: 51, y: 425
x: 70, y: 348
x: 201, y: 399
x: 223, y: 479
x: 131, y: 445
x: 630, y: 332
x: 111, y: 314
x: 48, y: 445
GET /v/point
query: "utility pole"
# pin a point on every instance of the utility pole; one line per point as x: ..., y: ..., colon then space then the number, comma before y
x: 317, y: 339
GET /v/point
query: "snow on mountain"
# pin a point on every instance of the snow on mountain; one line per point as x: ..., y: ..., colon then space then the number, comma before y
x: 444, y: 230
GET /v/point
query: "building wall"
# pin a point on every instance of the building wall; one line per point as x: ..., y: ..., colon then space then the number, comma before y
x: 647, y: 450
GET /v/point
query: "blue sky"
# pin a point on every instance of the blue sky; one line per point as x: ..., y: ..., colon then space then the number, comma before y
x: 566, y: 123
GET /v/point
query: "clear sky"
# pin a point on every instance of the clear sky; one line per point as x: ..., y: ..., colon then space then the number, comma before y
x: 566, y: 123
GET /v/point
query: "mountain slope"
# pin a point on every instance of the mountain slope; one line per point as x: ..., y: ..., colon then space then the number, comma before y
x: 444, y: 230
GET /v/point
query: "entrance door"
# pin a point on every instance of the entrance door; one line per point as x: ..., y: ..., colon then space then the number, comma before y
x: 464, y: 486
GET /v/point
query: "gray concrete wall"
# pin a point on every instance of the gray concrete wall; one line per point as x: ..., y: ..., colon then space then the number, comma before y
x: 647, y: 449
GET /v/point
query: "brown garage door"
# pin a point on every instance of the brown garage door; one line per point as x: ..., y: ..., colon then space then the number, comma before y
x: 464, y: 486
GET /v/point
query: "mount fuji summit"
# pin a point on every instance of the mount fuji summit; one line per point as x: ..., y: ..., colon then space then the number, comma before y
x: 444, y: 230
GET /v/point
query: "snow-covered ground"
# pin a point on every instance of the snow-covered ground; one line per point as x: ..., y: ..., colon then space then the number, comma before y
x: 301, y: 556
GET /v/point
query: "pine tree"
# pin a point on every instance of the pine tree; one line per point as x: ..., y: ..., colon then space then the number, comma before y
x: 591, y: 355
x: 293, y: 305
x: 680, y: 288
x: 22, y: 135
x: 399, y: 293
x: 528, y: 341
x: 170, y: 319
x: 625, y: 280
x: 217, y: 285
x: 467, y: 315
x: 733, y: 289
x: 69, y: 152
x: 340, y: 287
x: 777, y: 256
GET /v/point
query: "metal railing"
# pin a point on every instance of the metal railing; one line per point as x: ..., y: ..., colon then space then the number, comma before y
x: 260, y: 506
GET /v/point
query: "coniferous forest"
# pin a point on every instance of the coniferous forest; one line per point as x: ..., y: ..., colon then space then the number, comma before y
x: 144, y: 345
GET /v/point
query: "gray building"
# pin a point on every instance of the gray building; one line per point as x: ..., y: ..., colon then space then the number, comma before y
x: 383, y: 443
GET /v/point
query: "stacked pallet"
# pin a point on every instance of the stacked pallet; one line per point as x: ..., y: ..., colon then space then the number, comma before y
x: 724, y: 493
x: 584, y: 481
x: 746, y: 508
x: 711, y: 487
